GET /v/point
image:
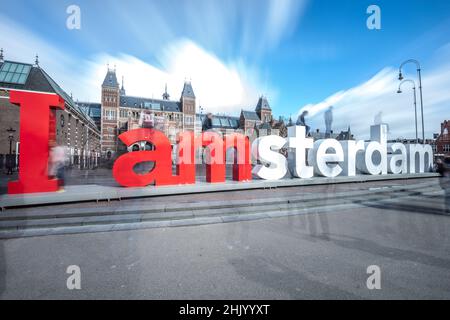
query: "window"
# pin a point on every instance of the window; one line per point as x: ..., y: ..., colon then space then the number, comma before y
x: 14, y: 72
x: 224, y: 122
x: 123, y: 113
x: 110, y: 114
x: 188, y: 120
x: 216, y: 122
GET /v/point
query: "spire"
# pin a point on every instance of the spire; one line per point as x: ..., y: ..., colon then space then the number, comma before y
x: 188, y: 92
x: 110, y: 79
x: 165, y: 95
x: 1, y: 55
x: 36, y: 62
x: 263, y: 104
x: 122, y: 90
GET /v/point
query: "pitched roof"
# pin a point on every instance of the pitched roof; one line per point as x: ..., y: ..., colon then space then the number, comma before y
x: 110, y: 79
x: 39, y: 80
x: 263, y: 104
x: 92, y: 109
x: 221, y: 121
x: 149, y: 103
x: 250, y: 115
x: 187, y: 90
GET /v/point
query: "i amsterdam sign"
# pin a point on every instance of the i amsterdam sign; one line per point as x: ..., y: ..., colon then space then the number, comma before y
x: 306, y: 158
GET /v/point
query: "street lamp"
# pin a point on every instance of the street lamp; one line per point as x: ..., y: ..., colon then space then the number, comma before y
x: 11, y: 138
x: 415, y: 101
x: 400, y: 77
x: 9, y: 161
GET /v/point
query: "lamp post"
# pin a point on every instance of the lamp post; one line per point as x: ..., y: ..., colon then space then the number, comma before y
x: 9, y: 162
x: 11, y: 138
x: 415, y: 101
x: 400, y: 77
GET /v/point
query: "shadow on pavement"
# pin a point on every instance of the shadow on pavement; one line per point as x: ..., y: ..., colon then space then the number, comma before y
x: 376, y: 249
x: 405, y: 207
x: 313, y: 220
x: 237, y: 235
x: 277, y: 276
x: 2, y: 269
x: 415, y: 207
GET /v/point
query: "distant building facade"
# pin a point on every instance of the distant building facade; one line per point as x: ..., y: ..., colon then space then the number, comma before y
x: 442, y: 141
x: 120, y: 112
x: 342, y: 136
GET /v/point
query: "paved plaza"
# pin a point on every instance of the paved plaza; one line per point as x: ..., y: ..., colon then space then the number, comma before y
x: 318, y: 250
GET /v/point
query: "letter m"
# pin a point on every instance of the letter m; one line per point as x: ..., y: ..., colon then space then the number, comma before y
x: 420, y: 158
x: 216, y: 156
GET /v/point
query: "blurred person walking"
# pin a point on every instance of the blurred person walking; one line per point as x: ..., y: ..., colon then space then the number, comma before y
x: 57, y: 166
x: 443, y: 168
x: 301, y: 121
x: 147, y: 120
x: 10, y: 163
x: 328, y: 121
x: 207, y: 123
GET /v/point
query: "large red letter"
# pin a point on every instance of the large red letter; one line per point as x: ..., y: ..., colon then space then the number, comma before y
x: 215, y: 158
x: 186, y: 158
x: 35, y: 118
x: 242, y: 168
x: 162, y: 156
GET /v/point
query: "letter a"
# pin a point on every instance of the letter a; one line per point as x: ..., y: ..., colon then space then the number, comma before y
x: 374, y: 20
x: 374, y: 280
x: 74, y: 280
x: 74, y: 19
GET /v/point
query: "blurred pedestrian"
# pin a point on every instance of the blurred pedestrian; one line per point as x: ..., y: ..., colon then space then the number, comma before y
x: 443, y: 168
x: 207, y: 123
x: 147, y: 120
x: 301, y: 121
x: 57, y: 165
x: 10, y: 163
x: 328, y: 121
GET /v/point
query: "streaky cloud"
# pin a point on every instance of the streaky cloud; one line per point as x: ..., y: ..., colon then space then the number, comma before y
x: 358, y: 106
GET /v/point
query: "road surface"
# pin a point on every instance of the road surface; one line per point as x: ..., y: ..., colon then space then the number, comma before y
x: 319, y: 254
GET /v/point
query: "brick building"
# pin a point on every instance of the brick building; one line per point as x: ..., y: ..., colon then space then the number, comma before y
x: 121, y: 112
x: 442, y: 141
x: 74, y: 128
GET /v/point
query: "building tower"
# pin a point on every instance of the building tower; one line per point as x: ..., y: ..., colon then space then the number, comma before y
x: 122, y: 89
x: 166, y: 95
x: 263, y: 110
x: 110, y: 114
x: 188, y: 106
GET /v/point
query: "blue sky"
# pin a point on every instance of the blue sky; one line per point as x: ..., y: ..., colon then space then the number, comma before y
x: 301, y: 54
